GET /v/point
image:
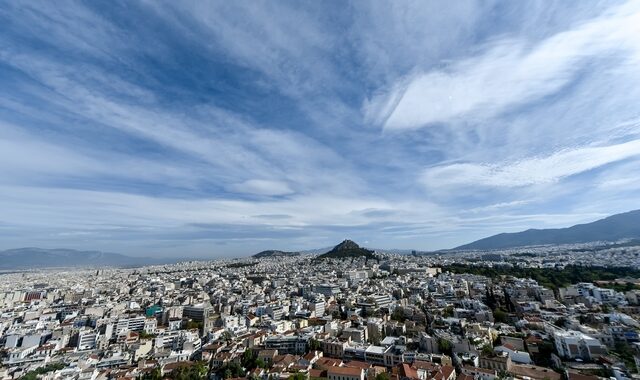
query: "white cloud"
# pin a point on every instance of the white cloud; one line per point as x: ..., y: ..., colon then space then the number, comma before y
x: 331, y: 174
x: 262, y: 187
x: 508, y: 74
x: 530, y: 171
x: 234, y: 149
x: 86, y: 210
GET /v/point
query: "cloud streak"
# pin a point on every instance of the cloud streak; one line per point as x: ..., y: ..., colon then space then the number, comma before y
x: 532, y: 171
x: 509, y: 73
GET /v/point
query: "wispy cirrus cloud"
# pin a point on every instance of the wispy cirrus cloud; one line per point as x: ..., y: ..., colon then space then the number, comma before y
x: 532, y: 171
x: 508, y: 73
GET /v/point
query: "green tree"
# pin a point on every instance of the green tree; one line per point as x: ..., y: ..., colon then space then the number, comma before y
x: 561, y: 322
x: 249, y: 358
x: 445, y: 346
x: 146, y: 335
x: 155, y: 374
x: 196, y: 371
x: 623, y: 350
x: 298, y: 376
x: 375, y: 337
x: 500, y: 316
x: 398, y: 315
x: 487, y: 350
x: 226, y: 336
x: 194, y: 325
x: 314, y: 344
x: 33, y: 375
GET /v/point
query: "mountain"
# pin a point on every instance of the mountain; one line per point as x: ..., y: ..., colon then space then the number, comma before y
x: 612, y: 228
x: 275, y: 253
x: 348, y: 249
x: 29, y: 258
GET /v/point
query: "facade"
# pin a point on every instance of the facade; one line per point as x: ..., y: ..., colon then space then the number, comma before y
x: 131, y: 323
x: 577, y: 345
x: 345, y: 373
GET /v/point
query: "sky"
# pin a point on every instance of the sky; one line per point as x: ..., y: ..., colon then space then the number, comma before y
x: 222, y: 128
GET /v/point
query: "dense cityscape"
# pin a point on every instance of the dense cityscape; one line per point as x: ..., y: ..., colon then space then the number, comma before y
x: 319, y: 190
x: 303, y: 316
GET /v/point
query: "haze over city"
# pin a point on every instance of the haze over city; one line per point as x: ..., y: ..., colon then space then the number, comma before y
x: 211, y: 129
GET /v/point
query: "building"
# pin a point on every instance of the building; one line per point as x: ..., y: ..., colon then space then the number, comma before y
x: 577, y: 345
x: 327, y: 289
x: 496, y: 362
x: 87, y: 340
x: 318, y: 308
x: 345, y: 373
x: 287, y: 344
x: 131, y: 323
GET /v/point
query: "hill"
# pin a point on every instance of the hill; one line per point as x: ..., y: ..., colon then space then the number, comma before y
x: 275, y: 253
x: 612, y: 228
x: 29, y: 258
x: 348, y: 249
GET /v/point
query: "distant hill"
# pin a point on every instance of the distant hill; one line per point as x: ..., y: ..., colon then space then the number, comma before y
x: 29, y: 258
x: 612, y: 228
x: 348, y: 249
x: 275, y: 253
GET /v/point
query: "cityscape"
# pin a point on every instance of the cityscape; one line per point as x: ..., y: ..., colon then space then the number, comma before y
x: 348, y: 314
x: 320, y: 190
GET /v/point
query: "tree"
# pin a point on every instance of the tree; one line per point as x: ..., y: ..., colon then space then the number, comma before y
x: 445, y: 346
x: 197, y: 371
x: 232, y: 369
x: 298, y: 376
x: 561, y: 322
x: 314, y: 345
x: 624, y: 351
x: 500, y: 315
x: 155, y: 374
x: 375, y: 337
x: 191, y: 325
x: 226, y: 336
x: 146, y: 335
x: 33, y: 375
x: 249, y: 358
x: 382, y: 376
x: 487, y: 350
x: 398, y: 315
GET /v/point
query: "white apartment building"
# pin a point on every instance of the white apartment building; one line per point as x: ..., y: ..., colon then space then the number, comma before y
x: 87, y: 340
x: 577, y: 345
x: 131, y: 323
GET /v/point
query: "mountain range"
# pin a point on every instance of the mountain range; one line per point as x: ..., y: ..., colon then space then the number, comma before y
x: 274, y: 253
x: 30, y: 258
x: 613, y: 228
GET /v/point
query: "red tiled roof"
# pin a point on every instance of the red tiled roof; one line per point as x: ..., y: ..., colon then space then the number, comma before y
x: 344, y: 371
x: 408, y: 371
x: 357, y: 364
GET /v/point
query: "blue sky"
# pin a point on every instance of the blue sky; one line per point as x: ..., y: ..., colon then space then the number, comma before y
x: 224, y: 128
